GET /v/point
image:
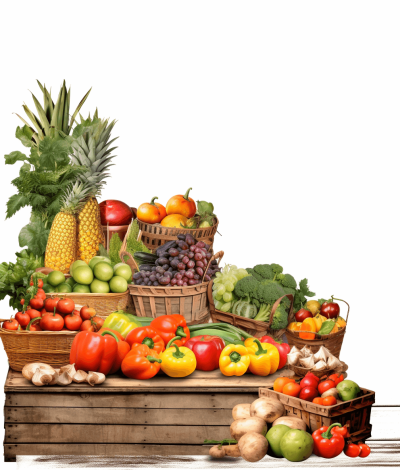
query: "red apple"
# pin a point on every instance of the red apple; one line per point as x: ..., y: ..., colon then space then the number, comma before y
x: 308, y: 393
x: 114, y: 213
x: 302, y: 314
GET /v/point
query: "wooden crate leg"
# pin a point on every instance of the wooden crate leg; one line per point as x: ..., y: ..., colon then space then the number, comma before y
x: 10, y: 458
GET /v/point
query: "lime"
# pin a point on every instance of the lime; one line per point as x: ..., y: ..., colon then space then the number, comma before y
x: 47, y: 288
x: 83, y: 275
x: 55, y: 278
x: 81, y: 289
x: 123, y: 270
x: 103, y: 271
x: 64, y: 287
x: 99, y: 287
x: 97, y: 259
x: 76, y: 264
x: 118, y: 285
x: 70, y: 281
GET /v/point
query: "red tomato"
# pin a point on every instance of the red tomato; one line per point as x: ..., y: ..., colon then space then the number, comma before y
x: 76, y: 312
x: 330, y: 309
x: 317, y: 400
x: 292, y: 389
x: 39, y: 283
x: 352, y: 450
x: 51, y: 303
x: 10, y: 324
x: 22, y: 318
x: 329, y: 401
x: 302, y: 314
x: 364, y: 449
x: 65, y: 306
x: 88, y: 325
x: 308, y: 393
x: 98, y: 321
x: 41, y: 294
x: 326, y: 385
x: 34, y: 326
x: 52, y: 322
x: 87, y: 313
x: 33, y: 313
x: 22, y: 301
x: 310, y: 380
x: 36, y: 303
x: 73, y: 321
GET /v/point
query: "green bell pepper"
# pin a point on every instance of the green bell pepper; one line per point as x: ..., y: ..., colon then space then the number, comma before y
x: 121, y: 322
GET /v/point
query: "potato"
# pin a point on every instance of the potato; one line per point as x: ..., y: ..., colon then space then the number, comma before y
x: 218, y: 452
x: 241, y: 411
x: 267, y: 409
x: 243, y: 425
x: 292, y: 422
x: 253, y: 446
x: 232, y: 450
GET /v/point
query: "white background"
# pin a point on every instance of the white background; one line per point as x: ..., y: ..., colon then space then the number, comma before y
x: 284, y: 114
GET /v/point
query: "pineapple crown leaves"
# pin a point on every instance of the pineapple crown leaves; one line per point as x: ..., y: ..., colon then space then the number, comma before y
x: 75, y: 197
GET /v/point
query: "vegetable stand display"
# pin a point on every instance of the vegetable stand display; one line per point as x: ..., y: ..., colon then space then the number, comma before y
x: 122, y: 416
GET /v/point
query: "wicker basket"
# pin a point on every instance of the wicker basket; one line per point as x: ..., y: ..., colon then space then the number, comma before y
x: 24, y: 347
x: 109, y: 230
x: 253, y: 327
x: 302, y: 371
x: 189, y: 301
x: 333, y: 341
x: 155, y: 235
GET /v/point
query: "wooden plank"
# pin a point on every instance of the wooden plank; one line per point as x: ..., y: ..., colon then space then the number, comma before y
x: 130, y: 400
x: 121, y: 434
x: 199, y: 380
x: 168, y: 417
x: 100, y: 456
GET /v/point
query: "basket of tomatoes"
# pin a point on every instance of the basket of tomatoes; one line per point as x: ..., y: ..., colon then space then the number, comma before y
x: 45, y: 334
x: 320, y: 324
x: 159, y: 224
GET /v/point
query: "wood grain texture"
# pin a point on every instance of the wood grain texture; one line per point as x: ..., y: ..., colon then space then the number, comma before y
x: 206, y: 381
x: 109, y: 434
x: 382, y: 455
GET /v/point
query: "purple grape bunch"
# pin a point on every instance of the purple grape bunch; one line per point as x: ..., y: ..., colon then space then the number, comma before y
x: 179, y: 263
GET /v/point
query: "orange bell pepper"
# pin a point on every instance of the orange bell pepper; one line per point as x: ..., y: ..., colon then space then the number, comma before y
x: 148, y: 336
x: 171, y: 326
x: 294, y: 326
x: 307, y: 327
x: 141, y: 362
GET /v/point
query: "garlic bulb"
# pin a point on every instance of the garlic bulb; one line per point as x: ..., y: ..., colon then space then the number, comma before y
x: 320, y: 365
x: 294, y: 350
x: 69, y: 369
x: 306, y: 352
x: 80, y: 376
x: 293, y: 358
x: 55, y: 377
x: 95, y: 378
x: 334, y: 363
x: 29, y: 369
x: 322, y: 355
x: 307, y: 362
x: 41, y: 378
x: 64, y: 378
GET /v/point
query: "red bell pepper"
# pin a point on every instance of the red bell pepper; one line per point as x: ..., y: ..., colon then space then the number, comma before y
x: 123, y: 349
x: 283, y: 349
x: 141, y: 362
x: 207, y: 350
x: 170, y: 326
x: 93, y: 352
x: 148, y: 336
x: 336, y: 378
x: 329, y: 442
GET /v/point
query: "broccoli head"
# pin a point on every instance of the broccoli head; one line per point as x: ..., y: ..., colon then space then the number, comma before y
x: 287, y: 280
x: 276, y: 268
x: 246, y: 287
x: 280, y: 319
x: 254, y: 274
x: 265, y: 271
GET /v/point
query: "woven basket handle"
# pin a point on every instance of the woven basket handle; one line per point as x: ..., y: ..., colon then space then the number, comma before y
x: 217, y: 256
x: 276, y: 305
x: 123, y: 252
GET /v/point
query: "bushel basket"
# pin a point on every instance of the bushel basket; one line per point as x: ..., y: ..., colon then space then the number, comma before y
x: 189, y: 301
x: 333, y: 342
x: 24, y: 347
x: 253, y: 327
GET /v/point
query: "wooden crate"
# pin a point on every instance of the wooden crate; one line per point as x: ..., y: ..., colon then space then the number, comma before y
x: 161, y: 416
x: 356, y: 414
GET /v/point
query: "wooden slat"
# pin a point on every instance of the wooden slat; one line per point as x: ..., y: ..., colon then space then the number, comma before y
x: 100, y: 456
x: 121, y: 434
x: 199, y: 417
x: 213, y: 381
x: 129, y: 400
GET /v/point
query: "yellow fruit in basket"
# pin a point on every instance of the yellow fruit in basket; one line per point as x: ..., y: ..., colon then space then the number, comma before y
x: 174, y: 220
x: 314, y: 306
x: 90, y: 232
x: 340, y: 322
x: 319, y: 320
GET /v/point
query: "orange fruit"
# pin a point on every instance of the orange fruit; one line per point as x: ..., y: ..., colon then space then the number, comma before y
x: 318, y: 400
x: 292, y: 389
x: 308, y: 325
x: 281, y: 382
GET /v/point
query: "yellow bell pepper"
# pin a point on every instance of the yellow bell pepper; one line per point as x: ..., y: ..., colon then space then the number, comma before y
x: 121, y: 322
x: 178, y: 361
x: 271, y: 352
x: 319, y: 319
x: 234, y: 360
x: 260, y: 362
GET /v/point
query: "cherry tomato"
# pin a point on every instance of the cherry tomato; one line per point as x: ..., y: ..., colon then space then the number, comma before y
x: 317, y: 400
x: 36, y: 303
x: 365, y: 450
x: 329, y: 401
x: 87, y: 313
x: 33, y: 313
x: 292, y: 389
x: 22, y: 318
x: 88, y: 325
x: 52, y: 322
x: 41, y: 294
x: 10, y: 324
x: 98, y: 321
x: 39, y: 283
x: 65, y: 306
x: 51, y: 303
x: 326, y: 385
x: 352, y: 450
x: 22, y: 301
x: 73, y: 321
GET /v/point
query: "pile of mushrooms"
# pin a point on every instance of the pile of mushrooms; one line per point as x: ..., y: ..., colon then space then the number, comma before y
x: 321, y: 360
x: 43, y: 374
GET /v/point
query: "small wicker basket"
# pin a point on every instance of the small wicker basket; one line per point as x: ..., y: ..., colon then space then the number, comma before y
x: 155, y: 235
x: 253, y: 327
x: 302, y: 371
x: 333, y: 341
x: 189, y: 301
x: 24, y: 347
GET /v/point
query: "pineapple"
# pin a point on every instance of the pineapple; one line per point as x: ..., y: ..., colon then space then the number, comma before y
x: 61, y: 245
x: 92, y: 151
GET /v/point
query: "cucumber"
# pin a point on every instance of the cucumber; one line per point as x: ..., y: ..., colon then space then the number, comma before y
x: 145, y: 257
x: 225, y: 335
